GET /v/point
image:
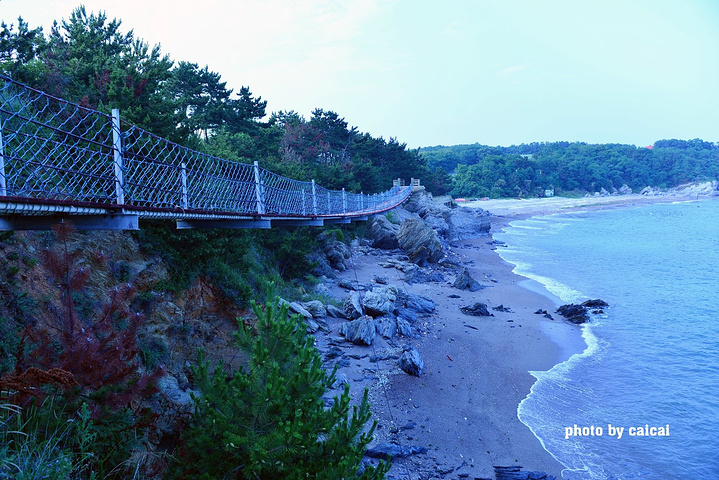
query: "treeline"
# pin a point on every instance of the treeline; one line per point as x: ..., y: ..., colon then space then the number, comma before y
x: 88, y: 59
x: 528, y: 170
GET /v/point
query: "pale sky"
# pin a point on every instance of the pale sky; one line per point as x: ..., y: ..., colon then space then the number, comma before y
x: 497, y: 72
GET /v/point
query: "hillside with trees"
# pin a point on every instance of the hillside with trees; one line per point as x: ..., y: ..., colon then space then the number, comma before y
x: 528, y: 170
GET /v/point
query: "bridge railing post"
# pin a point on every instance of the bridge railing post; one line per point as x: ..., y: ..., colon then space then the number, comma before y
x: 3, y: 184
x: 183, y: 177
x: 329, y: 203
x: 118, y: 160
x: 314, y: 198
x: 259, y: 190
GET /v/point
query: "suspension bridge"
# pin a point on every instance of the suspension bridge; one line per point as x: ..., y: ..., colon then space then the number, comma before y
x: 62, y: 162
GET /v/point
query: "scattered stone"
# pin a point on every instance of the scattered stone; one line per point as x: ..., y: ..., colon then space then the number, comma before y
x: 406, y: 313
x: 312, y: 325
x: 333, y: 352
x: 454, y: 295
x: 411, y: 362
x: 464, y: 281
x: 502, y: 308
x: 340, y: 380
x: 380, y: 279
x: 390, y: 450
x: 478, y: 310
x: 578, y: 314
x: 360, y: 331
x: 540, y: 312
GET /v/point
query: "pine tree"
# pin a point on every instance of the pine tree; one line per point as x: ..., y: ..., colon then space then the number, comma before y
x: 269, y: 420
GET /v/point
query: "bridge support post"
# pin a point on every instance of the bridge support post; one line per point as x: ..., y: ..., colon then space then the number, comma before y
x: 3, y: 184
x: 183, y: 178
x: 314, y: 197
x: 259, y: 191
x: 304, y: 209
x: 117, y: 149
x: 329, y: 203
x: 344, y: 200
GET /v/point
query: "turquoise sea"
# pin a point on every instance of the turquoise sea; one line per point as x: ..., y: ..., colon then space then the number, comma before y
x: 652, y: 359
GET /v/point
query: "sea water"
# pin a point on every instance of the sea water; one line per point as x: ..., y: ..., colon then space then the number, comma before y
x: 652, y: 358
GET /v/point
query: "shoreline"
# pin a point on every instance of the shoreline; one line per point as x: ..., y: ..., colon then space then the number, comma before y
x: 464, y: 407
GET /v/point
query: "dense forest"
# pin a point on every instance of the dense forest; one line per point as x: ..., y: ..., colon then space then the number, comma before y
x: 528, y: 170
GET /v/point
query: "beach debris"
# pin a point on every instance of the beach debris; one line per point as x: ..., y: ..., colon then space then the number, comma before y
x: 464, y: 281
x: 411, y: 362
x: 579, y: 314
x: 360, y: 331
x: 479, y: 309
x: 387, y: 450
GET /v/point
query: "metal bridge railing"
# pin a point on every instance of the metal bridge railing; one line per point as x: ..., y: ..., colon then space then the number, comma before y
x: 56, y: 152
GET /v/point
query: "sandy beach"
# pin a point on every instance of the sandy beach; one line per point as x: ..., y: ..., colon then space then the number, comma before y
x: 463, y: 408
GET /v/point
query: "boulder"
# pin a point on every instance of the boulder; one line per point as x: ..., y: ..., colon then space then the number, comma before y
x: 411, y: 362
x: 404, y: 328
x: 353, y: 307
x: 335, y: 312
x: 464, y: 281
x: 419, y: 241
x: 386, y: 326
x: 574, y: 313
x: 380, y: 301
x: 416, y: 303
x: 478, y: 310
x: 360, y: 331
x: 383, y: 233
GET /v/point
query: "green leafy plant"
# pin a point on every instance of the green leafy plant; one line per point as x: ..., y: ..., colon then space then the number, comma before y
x: 269, y: 420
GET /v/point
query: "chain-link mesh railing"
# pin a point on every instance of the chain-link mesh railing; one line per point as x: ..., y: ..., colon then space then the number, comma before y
x: 59, y: 152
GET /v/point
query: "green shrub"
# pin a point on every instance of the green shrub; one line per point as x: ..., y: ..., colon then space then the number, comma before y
x: 269, y: 420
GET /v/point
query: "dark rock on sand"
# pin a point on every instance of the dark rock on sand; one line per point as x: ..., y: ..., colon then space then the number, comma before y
x: 464, y: 281
x: 502, y: 308
x: 411, y: 362
x: 478, y: 310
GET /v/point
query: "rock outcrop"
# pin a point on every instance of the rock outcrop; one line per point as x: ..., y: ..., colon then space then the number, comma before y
x: 419, y: 241
x: 383, y: 233
x: 360, y: 331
